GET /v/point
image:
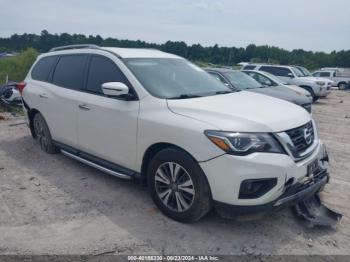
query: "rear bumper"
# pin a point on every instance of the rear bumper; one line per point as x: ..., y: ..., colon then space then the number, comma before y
x: 291, y: 196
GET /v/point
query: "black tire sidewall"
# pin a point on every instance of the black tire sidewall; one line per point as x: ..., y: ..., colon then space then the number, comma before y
x: 341, y: 86
x: 311, y: 91
x: 51, y: 148
x: 202, y: 199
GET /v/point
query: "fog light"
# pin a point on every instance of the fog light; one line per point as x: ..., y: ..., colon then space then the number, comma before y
x: 254, y: 188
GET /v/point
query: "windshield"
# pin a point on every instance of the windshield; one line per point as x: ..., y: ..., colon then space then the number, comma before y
x: 174, y: 78
x: 242, y: 81
x: 304, y: 71
x: 297, y: 72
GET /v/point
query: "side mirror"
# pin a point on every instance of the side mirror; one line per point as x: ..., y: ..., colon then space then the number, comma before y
x: 114, y: 89
x: 290, y: 75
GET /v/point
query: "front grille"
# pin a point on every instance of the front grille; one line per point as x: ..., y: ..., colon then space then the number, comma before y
x: 302, y: 137
x: 307, y: 107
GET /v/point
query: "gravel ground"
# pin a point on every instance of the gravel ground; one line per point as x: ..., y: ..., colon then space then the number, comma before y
x: 50, y: 204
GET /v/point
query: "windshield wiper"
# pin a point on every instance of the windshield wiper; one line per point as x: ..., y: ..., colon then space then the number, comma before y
x: 184, y: 96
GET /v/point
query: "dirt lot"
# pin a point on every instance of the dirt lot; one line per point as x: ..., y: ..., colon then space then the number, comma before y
x: 50, y: 204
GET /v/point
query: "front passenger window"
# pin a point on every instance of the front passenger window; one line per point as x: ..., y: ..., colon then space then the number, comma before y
x: 103, y: 70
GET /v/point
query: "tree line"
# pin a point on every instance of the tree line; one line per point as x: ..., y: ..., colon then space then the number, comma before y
x: 218, y: 55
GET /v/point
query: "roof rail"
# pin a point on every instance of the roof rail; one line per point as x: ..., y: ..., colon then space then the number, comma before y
x: 67, y: 47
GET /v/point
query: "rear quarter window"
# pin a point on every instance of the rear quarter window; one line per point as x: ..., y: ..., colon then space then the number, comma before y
x: 43, y: 68
x: 325, y: 74
x: 70, y: 71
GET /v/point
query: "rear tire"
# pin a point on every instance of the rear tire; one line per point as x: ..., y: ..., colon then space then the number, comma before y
x: 42, y: 134
x: 342, y: 86
x: 178, y: 185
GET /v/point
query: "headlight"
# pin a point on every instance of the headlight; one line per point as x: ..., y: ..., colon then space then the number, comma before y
x: 241, y: 144
x: 320, y: 83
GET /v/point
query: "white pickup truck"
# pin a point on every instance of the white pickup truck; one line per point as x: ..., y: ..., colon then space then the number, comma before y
x: 317, y: 87
x: 339, y: 80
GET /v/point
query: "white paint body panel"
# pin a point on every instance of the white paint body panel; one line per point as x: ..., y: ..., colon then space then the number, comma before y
x: 226, y: 173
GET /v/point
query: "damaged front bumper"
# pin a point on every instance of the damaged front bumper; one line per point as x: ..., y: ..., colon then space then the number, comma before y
x: 302, y: 191
x: 291, y: 196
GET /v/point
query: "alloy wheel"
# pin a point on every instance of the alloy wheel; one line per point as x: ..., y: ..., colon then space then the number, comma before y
x: 174, y: 187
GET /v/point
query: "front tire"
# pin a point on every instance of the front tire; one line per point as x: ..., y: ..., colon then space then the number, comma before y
x: 178, y: 186
x: 311, y: 91
x: 42, y: 134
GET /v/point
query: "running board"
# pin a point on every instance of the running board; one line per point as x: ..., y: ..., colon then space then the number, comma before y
x: 94, y: 165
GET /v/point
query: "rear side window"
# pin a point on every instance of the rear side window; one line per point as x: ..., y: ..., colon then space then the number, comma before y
x: 325, y: 74
x: 103, y: 70
x: 249, y: 67
x: 43, y: 68
x: 277, y: 71
x: 69, y: 71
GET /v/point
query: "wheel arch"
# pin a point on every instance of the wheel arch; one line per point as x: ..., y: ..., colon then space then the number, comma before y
x: 308, y: 88
x: 342, y: 82
x: 152, y: 150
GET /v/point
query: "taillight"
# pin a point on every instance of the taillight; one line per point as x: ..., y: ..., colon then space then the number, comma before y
x: 21, y: 86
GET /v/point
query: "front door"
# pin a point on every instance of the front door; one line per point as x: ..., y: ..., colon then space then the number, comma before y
x: 107, y: 127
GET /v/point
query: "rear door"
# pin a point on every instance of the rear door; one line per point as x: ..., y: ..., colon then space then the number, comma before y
x: 60, y: 99
x: 107, y: 127
x: 281, y: 72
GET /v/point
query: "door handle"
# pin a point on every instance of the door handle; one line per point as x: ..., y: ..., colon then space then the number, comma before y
x: 84, y: 107
x: 43, y: 95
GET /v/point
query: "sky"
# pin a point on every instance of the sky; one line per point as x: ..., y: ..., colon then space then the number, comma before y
x: 316, y: 25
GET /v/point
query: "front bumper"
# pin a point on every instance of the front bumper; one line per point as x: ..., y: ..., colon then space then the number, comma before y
x: 325, y: 90
x: 226, y: 173
x: 291, y: 196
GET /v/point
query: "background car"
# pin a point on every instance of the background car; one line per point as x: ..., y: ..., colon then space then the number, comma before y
x: 318, y: 87
x: 238, y: 80
x: 268, y: 79
x: 339, y: 80
x: 9, y: 93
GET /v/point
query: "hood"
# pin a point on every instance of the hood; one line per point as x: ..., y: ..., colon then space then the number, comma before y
x: 242, y: 112
x: 282, y: 93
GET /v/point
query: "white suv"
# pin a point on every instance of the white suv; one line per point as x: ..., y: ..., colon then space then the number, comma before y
x: 317, y: 87
x: 141, y: 113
